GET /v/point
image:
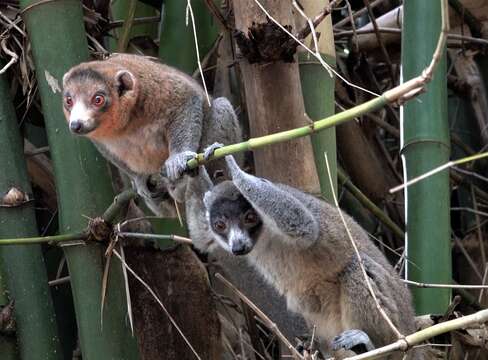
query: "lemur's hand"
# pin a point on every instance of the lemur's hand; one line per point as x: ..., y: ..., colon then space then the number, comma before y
x: 209, y: 150
x: 176, y: 165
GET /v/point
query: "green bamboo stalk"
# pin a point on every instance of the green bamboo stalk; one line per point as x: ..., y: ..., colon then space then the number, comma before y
x: 51, y: 240
x: 367, y: 203
x: 177, y: 44
x: 23, y: 267
x: 426, y: 145
x: 318, y: 94
x: 82, y: 180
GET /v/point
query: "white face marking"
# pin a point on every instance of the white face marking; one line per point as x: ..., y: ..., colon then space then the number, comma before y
x: 81, y: 113
x: 236, y: 235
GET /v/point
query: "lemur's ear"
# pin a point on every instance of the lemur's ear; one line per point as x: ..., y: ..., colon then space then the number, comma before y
x: 125, y: 81
x: 65, y: 77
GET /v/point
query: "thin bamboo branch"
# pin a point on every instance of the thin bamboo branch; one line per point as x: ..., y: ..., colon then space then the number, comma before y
x: 303, y: 33
x: 444, y: 286
x: 480, y: 317
x: 45, y: 239
x: 360, y: 260
x: 127, y: 27
x: 400, y: 94
x: 380, y: 40
x: 367, y: 203
x: 358, y: 13
x: 439, y: 169
x: 120, y: 202
x: 176, y: 238
x: 267, y: 321
x: 155, y: 296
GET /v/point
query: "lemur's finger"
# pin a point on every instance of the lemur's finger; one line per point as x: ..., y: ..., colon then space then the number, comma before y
x: 209, y: 150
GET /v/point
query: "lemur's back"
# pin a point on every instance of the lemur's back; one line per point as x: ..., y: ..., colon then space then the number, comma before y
x: 325, y: 283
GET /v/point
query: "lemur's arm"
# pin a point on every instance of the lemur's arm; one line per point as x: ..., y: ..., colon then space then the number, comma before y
x: 195, y: 210
x: 184, y: 133
x: 285, y: 213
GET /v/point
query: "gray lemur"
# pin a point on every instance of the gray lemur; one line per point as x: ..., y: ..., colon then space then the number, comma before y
x: 146, y: 118
x: 299, y: 244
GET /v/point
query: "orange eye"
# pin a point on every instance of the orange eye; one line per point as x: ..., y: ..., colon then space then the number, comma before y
x: 69, y: 101
x: 98, y: 100
x: 251, y: 217
x: 220, y: 226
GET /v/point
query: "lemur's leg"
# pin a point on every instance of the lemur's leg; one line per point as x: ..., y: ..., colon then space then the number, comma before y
x: 364, y: 323
x: 280, y: 209
x: 184, y: 134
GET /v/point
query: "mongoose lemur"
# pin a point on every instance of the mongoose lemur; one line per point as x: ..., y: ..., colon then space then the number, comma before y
x: 299, y: 244
x: 146, y: 118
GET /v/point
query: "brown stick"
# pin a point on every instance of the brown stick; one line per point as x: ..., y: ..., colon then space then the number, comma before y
x: 268, y: 322
x: 306, y: 30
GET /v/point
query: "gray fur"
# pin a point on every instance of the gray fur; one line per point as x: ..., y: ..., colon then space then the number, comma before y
x: 221, y: 126
x: 304, y: 252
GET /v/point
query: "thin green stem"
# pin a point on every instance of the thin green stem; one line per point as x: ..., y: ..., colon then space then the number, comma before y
x: 45, y: 239
x: 171, y: 237
x: 120, y: 201
x: 314, y: 127
x: 127, y: 27
x: 367, y: 203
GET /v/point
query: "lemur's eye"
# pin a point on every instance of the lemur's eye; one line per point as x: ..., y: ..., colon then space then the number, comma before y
x: 251, y: 217
x: 220, y: 226
x: 98, y: 100
x: 69, y: 101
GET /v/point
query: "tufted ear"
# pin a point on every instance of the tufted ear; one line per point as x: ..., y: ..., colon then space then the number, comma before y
x: 125, y: 82
x: 65, y: 77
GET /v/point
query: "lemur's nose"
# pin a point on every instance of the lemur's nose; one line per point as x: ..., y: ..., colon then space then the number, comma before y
x: 75, y: 126
x: 240, y: 249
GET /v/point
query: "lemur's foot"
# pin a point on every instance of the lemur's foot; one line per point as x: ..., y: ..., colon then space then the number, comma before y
x: 176, y: 165
x: 355, y: 340
x: 209, y: 150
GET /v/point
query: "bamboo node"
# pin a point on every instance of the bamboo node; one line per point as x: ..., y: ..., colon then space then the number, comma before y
x: 265, y: 42
x: 14, y: 198
x: 33, y: 5
x: 98, y: 229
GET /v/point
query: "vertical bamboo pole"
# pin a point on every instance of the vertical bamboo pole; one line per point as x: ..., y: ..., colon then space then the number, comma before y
x: 83, y: 184
x: 23, y: 266
x: 318, y: 94
x: 177, y: 44
x: 425, y: 146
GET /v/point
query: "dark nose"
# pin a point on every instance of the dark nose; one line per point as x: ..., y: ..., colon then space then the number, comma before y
x: 240, y: 249
x: 75, y: 126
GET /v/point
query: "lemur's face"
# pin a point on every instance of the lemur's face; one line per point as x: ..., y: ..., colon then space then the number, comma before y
x: 86, y: 98
x: 93, y: 100
x: 235, y: 224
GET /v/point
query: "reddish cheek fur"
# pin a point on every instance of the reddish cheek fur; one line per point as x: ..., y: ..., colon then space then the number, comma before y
x: 110, y: 122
